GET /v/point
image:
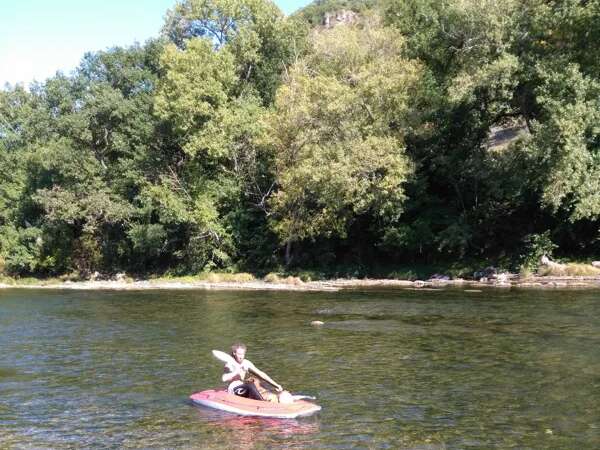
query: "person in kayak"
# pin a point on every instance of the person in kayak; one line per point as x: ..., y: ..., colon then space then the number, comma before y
x: 236, y: 376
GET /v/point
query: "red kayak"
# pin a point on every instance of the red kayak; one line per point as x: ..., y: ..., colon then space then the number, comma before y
x: 224, y: 401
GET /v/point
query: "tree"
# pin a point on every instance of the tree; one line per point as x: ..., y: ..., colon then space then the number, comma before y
x: 454, y: 35
x: 337, y: 132
x: 255, y: 32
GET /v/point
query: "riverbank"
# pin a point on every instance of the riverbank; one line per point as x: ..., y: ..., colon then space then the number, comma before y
x: 295, y: 284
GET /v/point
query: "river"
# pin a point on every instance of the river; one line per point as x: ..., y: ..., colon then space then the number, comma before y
x: 415, y: 369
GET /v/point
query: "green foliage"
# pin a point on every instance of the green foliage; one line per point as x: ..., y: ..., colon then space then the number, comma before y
x: 257, y: 35
x: 567, y: 139
x: 536, y: 246
x: 454, y: 35
x: 426, y: 133
x: 148, y: 240
x: 337, y: 133
x: 193, y: 95
x: 21, y: 250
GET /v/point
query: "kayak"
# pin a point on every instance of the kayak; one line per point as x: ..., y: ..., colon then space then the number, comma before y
x: 224, y: 401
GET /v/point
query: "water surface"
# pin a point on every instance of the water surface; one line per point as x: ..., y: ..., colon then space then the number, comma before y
x: 443, y: 369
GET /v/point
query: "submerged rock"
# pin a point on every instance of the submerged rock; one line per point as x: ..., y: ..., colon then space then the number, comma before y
x: 367, y: 325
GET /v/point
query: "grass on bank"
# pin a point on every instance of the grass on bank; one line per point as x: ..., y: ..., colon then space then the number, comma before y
x: 209, y: 277
x: 273, y: 277
x: 278, y: 276
x: 569, y: 270
x: 30, y: 281
x: 459, y: 269
x: 409, y: 272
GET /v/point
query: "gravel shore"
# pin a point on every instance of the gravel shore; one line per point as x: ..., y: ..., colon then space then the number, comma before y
x: 330, y: 285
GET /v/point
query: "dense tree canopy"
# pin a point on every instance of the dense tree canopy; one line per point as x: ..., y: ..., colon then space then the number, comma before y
x: 337, y: 130
x: 421, y: 131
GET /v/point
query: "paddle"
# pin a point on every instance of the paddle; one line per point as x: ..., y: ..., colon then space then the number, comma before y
x: 225, y: 357
x: 228, y: 359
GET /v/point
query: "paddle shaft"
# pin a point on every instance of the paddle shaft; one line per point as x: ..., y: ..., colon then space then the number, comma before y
x: 227, y: 358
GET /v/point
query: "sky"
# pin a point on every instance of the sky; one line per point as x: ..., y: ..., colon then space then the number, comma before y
x: 40, y: 37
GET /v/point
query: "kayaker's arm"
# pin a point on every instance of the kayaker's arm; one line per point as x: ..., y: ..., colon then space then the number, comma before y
x: 265, y: 377
x: 230, y: 376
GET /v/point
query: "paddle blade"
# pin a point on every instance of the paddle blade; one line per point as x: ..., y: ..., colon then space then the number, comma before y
x: 303, y: 397
x: 224, y: 357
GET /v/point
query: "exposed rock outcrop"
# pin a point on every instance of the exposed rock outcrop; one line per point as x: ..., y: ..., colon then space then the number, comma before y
x: 344, y: 16
x: 502, y: 135
x: 545, y: 261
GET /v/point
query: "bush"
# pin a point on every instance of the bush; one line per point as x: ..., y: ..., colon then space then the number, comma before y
x: 570, y: 270
x: 275, y: 278
x: 536, y: 246
x: 71, y: 276
x: 6, y: 280
x: 310, y: 275
x: 403, y: 275
x: 525, y: 272
x: 221, y: 277
x: 271, y: 278
x: 148, y: 240
x: 22, y: 248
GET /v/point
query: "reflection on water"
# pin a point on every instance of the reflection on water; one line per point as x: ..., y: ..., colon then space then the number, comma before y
x: 380, y: 326
x: 250, y: 432
x: 442, y: 369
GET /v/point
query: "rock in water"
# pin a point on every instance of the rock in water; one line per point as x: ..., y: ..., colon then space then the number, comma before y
x: 486, y: 273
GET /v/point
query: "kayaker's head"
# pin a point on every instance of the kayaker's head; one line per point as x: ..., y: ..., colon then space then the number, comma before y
x: 238, y: 351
